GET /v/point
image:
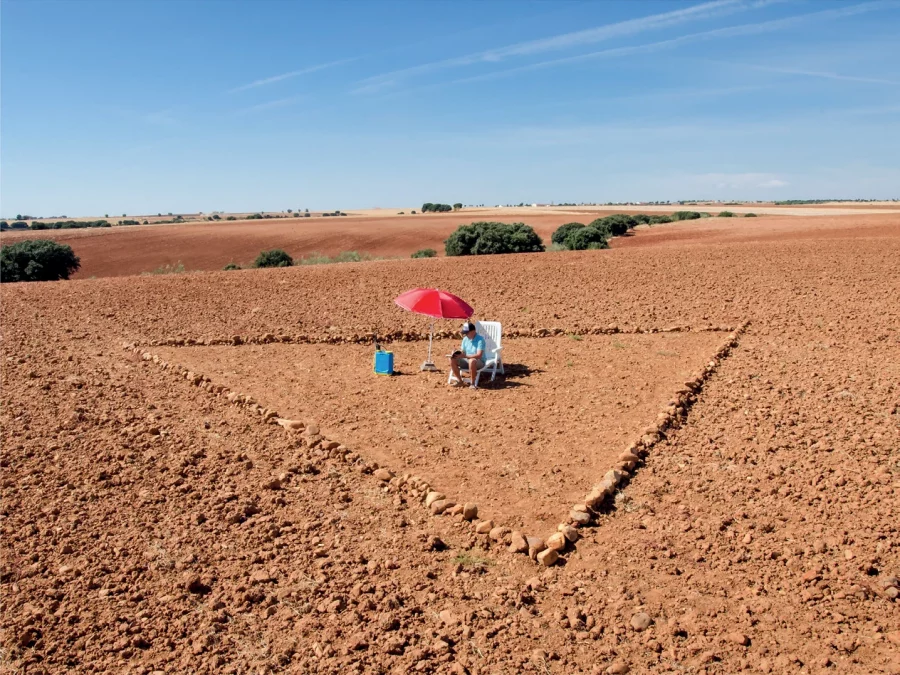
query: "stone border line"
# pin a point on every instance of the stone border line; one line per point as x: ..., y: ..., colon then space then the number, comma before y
x: 546, y: 552
x: 602, y: 496
x: 417, y: 336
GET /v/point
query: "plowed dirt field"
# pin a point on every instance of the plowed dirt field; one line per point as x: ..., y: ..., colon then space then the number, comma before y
x: 524, y: 449
x: 144, y: 249
x: 149, y: 525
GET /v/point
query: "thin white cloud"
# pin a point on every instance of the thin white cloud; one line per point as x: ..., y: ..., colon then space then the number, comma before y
x: 773, y: 183
x: 293, y: 73
x: 278, y: 103
x: 695, y: 13
x: 691, y: 93
x: 730, y: 31
x: 812, y: 73
x: 647, y: 132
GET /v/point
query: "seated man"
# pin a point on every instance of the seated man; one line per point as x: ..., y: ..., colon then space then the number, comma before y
x: 470, y: 356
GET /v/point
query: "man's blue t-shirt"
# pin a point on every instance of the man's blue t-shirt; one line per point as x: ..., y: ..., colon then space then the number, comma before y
x: 473, y: 346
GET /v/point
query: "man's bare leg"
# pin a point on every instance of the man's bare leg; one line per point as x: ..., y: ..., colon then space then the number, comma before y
x: 473, y: 370
x: 454, y: 366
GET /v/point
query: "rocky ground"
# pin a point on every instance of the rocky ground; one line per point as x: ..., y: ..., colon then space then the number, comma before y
x: 149, y: 526
x: 524, y: 448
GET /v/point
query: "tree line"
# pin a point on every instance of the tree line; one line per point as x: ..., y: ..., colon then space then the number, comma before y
x: 428, y: 207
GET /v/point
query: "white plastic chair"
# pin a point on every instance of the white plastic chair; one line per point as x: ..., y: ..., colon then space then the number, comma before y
x: 493, y: 362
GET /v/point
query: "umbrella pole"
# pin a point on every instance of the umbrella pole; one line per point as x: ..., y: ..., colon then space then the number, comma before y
x: 429, y: 364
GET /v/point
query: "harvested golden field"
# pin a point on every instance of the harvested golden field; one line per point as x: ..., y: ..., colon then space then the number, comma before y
x: 155, y: 519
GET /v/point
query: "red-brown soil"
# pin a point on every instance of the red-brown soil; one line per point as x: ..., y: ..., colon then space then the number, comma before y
x: 139, y: 536
x: 524, y: 450
x: 122, y: 251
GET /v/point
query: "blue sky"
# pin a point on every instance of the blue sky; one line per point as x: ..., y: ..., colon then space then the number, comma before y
x: 141, y: 107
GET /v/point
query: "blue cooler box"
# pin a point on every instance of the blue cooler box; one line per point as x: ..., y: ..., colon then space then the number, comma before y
x: 384, y: 363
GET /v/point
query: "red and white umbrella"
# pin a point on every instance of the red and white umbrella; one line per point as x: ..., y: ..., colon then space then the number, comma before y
x: 437, y: 304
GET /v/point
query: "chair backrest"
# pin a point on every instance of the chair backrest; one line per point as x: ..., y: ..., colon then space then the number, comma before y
x: 491, y: 331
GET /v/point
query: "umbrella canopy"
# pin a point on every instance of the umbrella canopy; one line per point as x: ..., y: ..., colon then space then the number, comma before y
x: 435, y: 303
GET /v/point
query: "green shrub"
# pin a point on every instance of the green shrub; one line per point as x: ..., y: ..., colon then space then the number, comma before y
x: 488, y: 238
x: 686, y: 215
x: 37, y: 260
x: 457, y: 206
x: 749, y: 215
x: 562, y: 232
x: 424, y: 253
x: 348, y: 256
x: 274, y: 258
x: 315, y: 259
x: 642, y: 218
x: 620, y: 223
x: 4, y: 225
x: 230, y: 218
x: 585, y: 238
x: 656, y: 220
x: 602, y: 225
x: 343, y: 257
x: 70, y: 224
x: 255, y: 216
x: 177, y: 268
x: 428, y: 207
x: 616, y: 225
x: 726, y: 214
x: 19, y: 225
x: 231, y: 266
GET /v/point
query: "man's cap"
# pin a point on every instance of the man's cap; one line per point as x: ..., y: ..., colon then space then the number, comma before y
x: 468, y: 326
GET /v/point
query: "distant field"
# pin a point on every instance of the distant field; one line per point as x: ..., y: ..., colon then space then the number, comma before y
x: 203, y: 245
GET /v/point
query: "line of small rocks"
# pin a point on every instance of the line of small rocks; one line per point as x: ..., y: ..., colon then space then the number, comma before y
x: 418, y: 336
x: 601, y: 497
x: 309, y: 437
x: 547, y: 551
